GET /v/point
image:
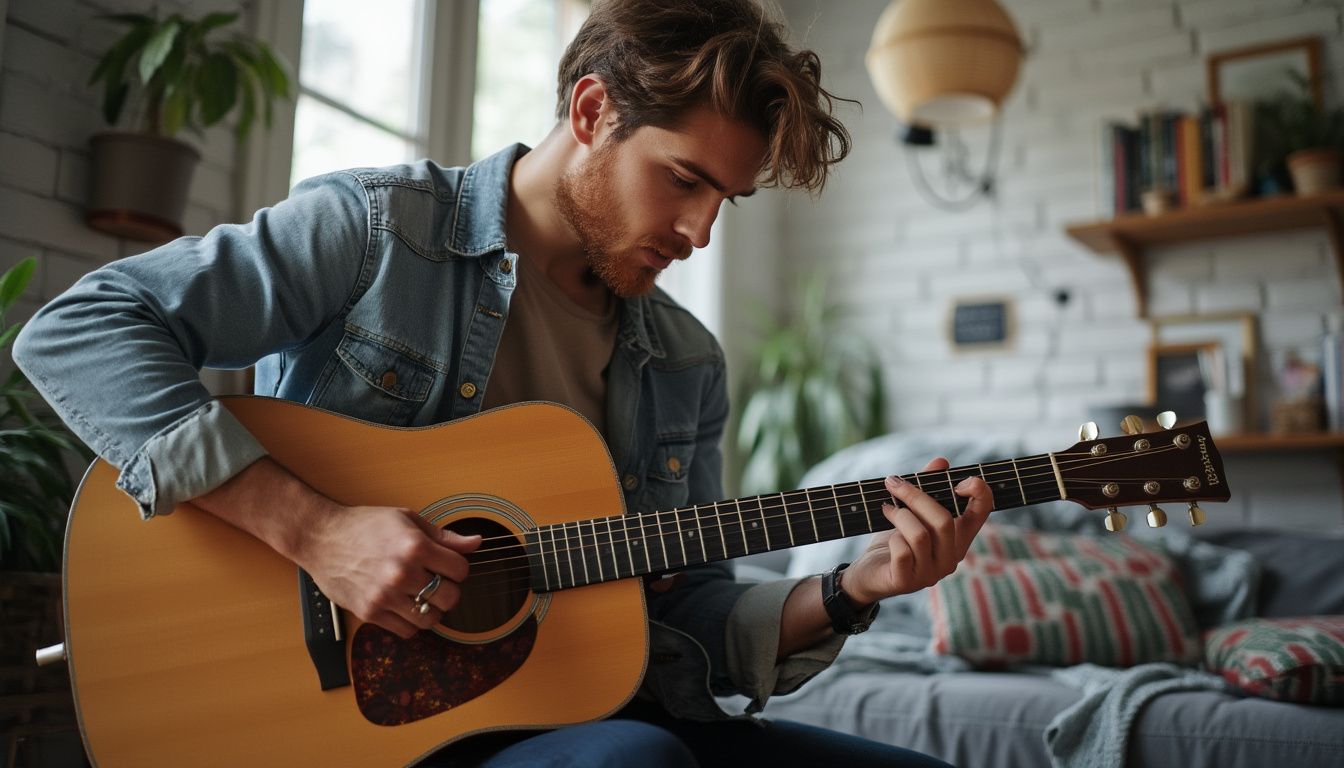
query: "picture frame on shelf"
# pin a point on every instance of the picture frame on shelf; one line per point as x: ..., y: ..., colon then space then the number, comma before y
x: 1259, y: 72
x: 1231, y: 350
x: 1177, y: 379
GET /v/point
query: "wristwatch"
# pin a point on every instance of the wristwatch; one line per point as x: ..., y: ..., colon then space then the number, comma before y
x: 845, y: 618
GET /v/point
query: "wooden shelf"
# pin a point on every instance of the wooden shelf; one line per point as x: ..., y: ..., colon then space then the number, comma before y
x: 1266, y: 442
x: 1128, y: 235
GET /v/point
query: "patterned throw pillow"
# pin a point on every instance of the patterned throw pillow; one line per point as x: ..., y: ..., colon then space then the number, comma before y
x: 1049, y: 598
x: 1286, y: 659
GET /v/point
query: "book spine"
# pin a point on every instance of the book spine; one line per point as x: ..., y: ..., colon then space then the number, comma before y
x: 1332, y: 373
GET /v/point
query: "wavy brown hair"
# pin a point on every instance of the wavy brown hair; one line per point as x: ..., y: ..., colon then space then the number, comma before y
x: 660, y: 58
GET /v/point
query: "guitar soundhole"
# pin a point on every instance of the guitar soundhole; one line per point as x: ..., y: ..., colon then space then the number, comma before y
x: 497, y: 582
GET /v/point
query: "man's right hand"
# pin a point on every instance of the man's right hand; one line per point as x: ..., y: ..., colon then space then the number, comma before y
x: 372, y: 561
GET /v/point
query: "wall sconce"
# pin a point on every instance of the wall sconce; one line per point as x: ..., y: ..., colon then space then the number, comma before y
x: 939, y: 65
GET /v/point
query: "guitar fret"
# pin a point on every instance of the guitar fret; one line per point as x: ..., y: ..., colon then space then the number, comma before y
x: 554, y: 556
x: 611, y: 549
x: 1020, y: 487
x: 662, y: 538
x: 788, y: 523
x: 765, y: 526
x: 629, y: 551
x: 952, y: 489
x: 742, y: 527
x: 643, y: 543
x: 807, y: 499
x: 867, y: 510
x: 569, y: 556
x: 700, y: 534
x: 583, y: 555
x: 597, y: 551
x: 839, y: 516
x: 718, y: 520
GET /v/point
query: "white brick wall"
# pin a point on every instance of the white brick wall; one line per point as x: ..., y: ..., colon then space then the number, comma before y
x: 1088, y: 61
x: 47, y: 113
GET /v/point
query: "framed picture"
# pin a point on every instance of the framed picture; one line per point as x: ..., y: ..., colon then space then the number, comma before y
x: 1178, y: 378
x: 1259, y: 73
x: 981, y: 323
x: 1229, y: 346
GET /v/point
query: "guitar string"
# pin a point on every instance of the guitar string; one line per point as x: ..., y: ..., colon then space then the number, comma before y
x: 782, y: 500
x: 612, y: 541
x: 768, y: 519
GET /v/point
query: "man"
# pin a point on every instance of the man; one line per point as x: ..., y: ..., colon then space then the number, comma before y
x: 416, y: 294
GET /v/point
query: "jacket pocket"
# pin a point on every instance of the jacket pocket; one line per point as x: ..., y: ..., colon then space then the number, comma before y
x: 369, y: 380
x: 668, y: 473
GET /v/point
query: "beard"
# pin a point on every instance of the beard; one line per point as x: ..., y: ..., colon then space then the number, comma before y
x: 588, y: 202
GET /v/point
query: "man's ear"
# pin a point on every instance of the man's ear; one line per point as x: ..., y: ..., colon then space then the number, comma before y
x: 589, y: 108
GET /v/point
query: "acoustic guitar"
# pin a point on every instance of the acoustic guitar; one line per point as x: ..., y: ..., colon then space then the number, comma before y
x: 191, y: 643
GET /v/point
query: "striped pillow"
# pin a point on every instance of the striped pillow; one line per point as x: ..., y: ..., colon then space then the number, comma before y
x: 1049, y: 598
x: 1298, y: 660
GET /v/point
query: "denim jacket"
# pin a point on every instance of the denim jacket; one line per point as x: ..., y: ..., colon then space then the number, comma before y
x: 402, y: 269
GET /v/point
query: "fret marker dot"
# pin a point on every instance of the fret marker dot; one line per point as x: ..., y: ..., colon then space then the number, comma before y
x: 853, y: 508
x: 755, y: 525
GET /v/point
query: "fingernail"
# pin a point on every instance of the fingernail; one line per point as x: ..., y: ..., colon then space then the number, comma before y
x: 962, y: 485
x: 895, y: 480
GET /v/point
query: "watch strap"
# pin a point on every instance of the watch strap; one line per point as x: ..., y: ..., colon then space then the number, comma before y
x: 845, y: 619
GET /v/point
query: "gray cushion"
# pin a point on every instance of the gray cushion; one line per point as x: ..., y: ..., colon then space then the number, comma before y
x: 987, y: 718
x: 1299, y: 573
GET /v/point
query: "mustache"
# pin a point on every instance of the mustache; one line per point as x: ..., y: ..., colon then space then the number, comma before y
x: 678, y: 251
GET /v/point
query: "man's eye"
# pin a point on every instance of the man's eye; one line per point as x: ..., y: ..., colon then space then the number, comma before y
x: 680, y: 182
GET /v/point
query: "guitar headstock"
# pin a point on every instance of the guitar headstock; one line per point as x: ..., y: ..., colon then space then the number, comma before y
x: 1172, y: 465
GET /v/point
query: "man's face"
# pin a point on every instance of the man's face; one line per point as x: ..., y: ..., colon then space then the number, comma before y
x: 640, y: 204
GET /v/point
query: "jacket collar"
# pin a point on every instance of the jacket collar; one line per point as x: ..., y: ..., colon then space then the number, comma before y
x: 482, y: 204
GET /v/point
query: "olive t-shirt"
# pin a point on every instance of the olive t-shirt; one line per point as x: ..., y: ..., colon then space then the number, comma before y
x: 552, y: 349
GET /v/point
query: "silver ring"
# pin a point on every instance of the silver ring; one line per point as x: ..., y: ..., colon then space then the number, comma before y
x: 422, y: 598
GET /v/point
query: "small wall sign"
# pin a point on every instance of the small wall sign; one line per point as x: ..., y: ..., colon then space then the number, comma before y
x: 982, y: 323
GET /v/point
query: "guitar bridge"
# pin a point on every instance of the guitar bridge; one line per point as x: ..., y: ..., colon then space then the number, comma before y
x: 322, y: 634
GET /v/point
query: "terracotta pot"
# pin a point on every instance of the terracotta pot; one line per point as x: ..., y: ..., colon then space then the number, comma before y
x: 140, y: 185
x: 1315, y: 170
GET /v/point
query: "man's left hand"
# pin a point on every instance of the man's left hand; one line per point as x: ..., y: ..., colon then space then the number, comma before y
x: 926, y: 544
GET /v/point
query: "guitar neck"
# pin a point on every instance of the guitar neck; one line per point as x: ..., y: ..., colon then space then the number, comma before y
x: 590, y: 551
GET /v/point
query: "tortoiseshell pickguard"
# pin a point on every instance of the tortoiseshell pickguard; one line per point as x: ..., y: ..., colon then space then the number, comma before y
x: 400, y: 681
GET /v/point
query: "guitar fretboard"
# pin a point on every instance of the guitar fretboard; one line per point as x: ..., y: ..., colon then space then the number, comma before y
x: 590, y: 551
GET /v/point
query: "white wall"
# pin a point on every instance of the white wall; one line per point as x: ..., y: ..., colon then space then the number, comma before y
x: 900, y: 262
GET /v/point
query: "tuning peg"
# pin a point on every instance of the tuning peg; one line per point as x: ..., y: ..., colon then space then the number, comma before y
x: 1088, y: 431
x: 1196, y: 514
x: 1132, y: 425
x: 1166, y: 419
x: 1156, y: 517
x: 1115, y: 520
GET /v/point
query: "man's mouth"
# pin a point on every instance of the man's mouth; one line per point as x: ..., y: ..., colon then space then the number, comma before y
x: 655, y: 258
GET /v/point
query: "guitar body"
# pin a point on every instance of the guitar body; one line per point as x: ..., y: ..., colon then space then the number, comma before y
x: 185, y: 636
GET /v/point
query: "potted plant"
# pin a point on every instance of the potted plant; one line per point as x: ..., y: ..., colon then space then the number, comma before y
x: 37, y: 457
x: 814, y: 388
x: 1297, y: 130
x: 176, y: 73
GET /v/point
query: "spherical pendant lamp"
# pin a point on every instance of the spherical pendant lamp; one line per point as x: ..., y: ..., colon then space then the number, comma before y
x: 944, y: 62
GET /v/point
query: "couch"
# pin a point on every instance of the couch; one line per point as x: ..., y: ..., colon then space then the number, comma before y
x: 887, y: 685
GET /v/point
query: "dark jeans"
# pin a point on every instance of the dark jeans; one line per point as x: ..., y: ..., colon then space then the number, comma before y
x: 656, y: 740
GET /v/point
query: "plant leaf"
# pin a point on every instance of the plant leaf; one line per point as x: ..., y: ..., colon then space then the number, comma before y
x: 15, y: 280
x: 158, y: 48
x: 217, y: 82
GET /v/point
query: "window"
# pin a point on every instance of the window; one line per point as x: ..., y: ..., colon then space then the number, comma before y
x: 362, y: 79
x: 519, y: 45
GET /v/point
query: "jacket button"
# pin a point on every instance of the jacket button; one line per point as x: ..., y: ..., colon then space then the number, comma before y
x: 505, y: 266
x: 630, y: 482
x: 673, y: 464
x: 389, y: 380
x: 468, y: 390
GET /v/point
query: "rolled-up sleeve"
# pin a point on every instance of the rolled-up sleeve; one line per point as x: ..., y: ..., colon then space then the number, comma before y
x: 752, y: 645
x: 118, y: 355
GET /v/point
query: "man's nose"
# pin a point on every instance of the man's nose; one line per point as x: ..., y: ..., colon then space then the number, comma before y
x: 694, y: 225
